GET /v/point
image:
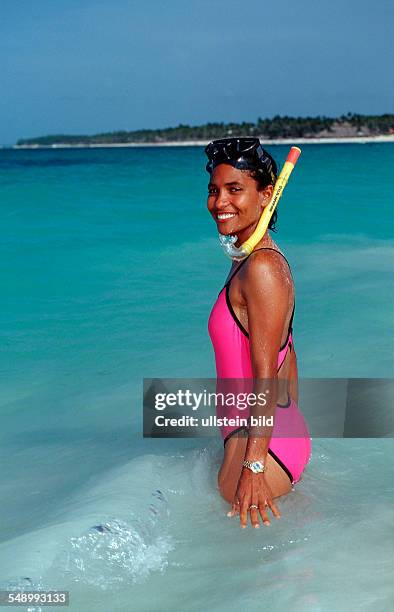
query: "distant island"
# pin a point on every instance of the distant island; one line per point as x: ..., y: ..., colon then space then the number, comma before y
x: 350, y: 126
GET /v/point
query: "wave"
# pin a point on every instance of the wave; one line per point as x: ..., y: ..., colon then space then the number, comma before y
x: 113, y: 534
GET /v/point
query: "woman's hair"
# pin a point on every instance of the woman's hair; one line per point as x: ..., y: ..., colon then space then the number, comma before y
x: 264, y: 176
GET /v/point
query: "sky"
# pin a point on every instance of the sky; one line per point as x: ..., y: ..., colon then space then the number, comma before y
x: 88, y: 66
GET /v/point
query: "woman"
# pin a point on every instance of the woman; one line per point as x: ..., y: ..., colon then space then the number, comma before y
x: 250, y: 327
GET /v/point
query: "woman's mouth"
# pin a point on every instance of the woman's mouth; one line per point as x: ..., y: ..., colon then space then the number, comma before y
x: 224, y: 216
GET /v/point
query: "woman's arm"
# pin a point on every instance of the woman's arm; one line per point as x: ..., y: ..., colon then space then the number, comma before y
x: 267, y: 290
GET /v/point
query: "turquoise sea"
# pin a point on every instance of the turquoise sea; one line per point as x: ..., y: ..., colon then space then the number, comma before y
x: 111, y: 265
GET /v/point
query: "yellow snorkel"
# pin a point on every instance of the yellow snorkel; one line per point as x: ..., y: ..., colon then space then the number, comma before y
x: 228, y: 242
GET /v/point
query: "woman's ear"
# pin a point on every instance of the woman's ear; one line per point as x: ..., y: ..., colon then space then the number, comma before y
x: 266, y: 195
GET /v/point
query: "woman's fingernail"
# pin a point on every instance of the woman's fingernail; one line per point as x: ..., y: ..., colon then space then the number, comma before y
x: 266, y: 523
x: 229, y: 513
x: 256, y: 526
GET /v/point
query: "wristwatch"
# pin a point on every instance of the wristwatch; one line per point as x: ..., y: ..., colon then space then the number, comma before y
x: 257, y: 467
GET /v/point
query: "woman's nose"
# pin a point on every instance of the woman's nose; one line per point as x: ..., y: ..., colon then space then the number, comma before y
x: 222, y: 199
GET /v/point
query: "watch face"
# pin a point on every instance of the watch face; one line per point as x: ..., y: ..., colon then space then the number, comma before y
x: 257, y: 467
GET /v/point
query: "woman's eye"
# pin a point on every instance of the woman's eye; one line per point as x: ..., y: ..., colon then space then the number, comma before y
x: 232, y: 190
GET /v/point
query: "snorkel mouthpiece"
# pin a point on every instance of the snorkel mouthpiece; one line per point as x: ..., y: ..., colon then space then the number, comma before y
x: 236, y: 253
x: 228, y: 242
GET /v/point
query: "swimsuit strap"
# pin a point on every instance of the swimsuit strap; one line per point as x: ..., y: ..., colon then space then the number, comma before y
x: 236, y: 270
x: 246, y: 259
x: 289, y: 340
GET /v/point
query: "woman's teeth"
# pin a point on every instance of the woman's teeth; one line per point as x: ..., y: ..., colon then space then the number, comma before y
x: 222, y: 216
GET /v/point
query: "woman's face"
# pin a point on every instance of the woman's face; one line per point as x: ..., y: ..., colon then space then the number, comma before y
x: 235, y: 202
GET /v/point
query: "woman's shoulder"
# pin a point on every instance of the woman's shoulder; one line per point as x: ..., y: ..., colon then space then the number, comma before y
x: 267, y: 259
x: 267, y: 266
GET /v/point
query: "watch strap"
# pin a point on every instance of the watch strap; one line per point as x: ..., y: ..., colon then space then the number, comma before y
x: 250, y: 464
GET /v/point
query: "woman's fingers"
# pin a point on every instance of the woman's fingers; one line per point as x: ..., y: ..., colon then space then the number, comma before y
x: 263, y: 514
x: 244, y: 508
x: 254, y: 518
x: 243, y: 514
x: 263, y: 510
x: 274, y: 508
x: 243, y: 505
x: 234, y: 508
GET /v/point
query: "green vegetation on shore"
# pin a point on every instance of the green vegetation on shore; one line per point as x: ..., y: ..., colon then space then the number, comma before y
x: 275, y: 128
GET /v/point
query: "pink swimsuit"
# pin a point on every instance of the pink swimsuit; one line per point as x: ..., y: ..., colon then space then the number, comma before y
x: 232, y: 354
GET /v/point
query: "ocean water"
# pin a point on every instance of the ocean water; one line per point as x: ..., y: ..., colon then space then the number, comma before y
x: 110, y: 267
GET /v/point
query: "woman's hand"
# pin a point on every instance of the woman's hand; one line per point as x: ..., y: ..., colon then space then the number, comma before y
x: 253, y: 490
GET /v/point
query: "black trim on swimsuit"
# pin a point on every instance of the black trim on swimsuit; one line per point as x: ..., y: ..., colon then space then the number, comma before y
x: 282, y: 465
x: 287, y: 404
x: 234, y: 316
x: 230, y: 307
x: 236, y: 270
x: 270, y: 452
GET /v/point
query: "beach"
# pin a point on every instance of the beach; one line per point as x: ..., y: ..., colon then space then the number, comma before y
x: 202, y: 143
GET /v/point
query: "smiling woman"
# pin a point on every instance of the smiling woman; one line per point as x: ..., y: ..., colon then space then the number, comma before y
x: 251, y: 330
x: 229, y: 152
x: 239, y: 204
